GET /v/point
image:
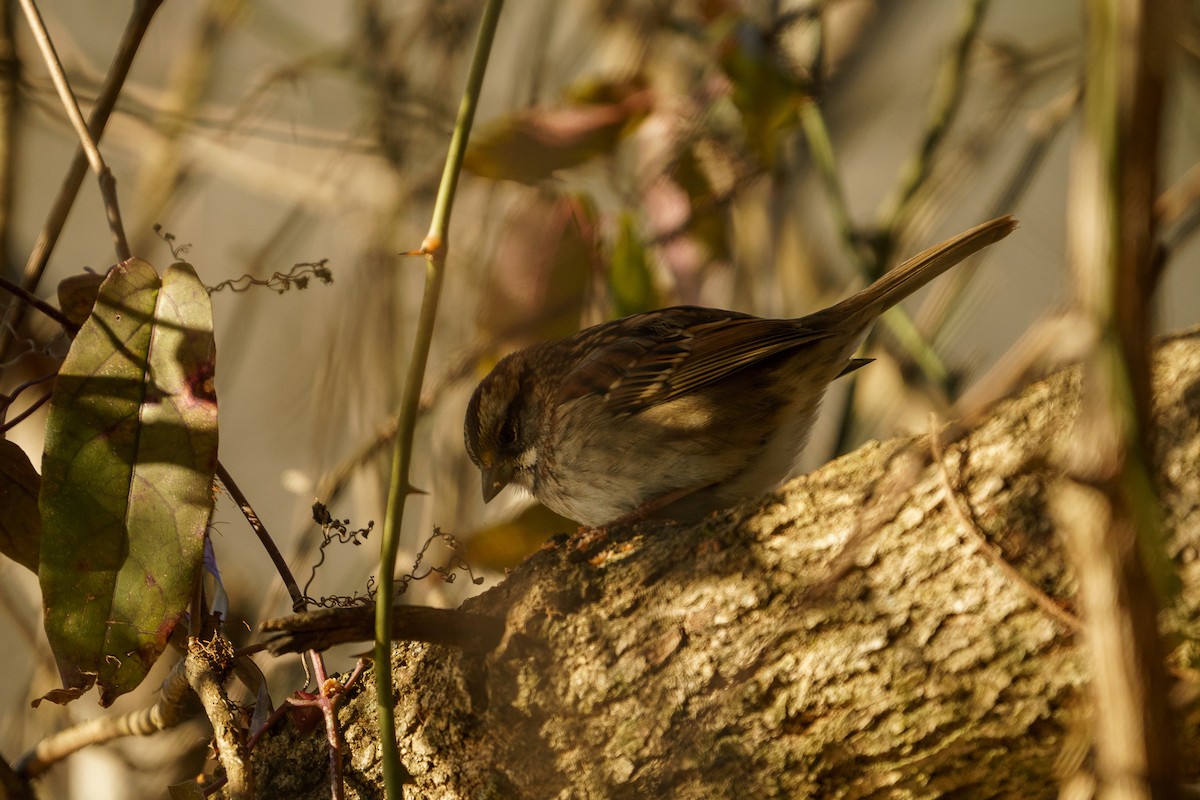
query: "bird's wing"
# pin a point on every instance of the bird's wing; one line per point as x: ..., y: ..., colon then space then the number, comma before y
x: 651, y: 358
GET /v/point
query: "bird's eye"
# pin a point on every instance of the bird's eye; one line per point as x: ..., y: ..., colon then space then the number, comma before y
x: 508, y: 433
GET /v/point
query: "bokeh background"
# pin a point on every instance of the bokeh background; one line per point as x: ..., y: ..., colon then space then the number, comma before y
x: 763, y: 156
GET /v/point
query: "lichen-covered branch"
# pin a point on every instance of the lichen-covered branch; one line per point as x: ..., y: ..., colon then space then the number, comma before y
x: 844, y: 638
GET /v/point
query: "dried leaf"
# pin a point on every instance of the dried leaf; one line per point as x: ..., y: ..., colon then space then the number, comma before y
x: 77, y: 295
x: 20, y: 525
x: 531, y: 145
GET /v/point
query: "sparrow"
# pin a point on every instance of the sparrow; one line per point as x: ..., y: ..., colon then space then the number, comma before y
x: 678, y: 412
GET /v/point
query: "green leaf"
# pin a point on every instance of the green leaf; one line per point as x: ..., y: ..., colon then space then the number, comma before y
x: 629, y: 277
x: 767, y: 96
x: 20, y: 525
x: 131, y: 447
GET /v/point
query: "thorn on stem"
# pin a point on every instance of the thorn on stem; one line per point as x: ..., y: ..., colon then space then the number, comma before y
x: 432, y: 244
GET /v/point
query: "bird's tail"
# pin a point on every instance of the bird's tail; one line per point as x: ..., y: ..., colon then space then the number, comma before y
x: 919, y: 270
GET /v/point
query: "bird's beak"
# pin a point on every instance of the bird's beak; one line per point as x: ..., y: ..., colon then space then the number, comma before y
x: 496, y: 478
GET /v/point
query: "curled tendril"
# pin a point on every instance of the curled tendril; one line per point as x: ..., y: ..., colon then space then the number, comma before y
x: 447, y: 572
x: 338, y: 530
x: 298, y: 276
x: 176, y: 249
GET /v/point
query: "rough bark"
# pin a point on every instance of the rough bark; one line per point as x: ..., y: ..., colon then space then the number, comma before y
x: 846, y: 638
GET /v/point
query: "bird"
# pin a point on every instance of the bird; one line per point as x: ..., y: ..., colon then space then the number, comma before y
x: 676, y: 413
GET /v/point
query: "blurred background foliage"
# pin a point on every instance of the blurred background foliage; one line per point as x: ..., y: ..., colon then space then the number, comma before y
x: 764, y: 156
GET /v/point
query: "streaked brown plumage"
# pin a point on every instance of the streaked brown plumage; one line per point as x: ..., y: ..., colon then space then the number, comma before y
x: 681, y: 411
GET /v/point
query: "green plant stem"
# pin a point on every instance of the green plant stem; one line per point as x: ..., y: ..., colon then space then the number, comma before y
x: 913, y: 344
x: 434, y: 249
x: 820, y: 150
x: 897, y: 321
x: 897, y: 208
x: 1044, y: 126
x: 948, y: 99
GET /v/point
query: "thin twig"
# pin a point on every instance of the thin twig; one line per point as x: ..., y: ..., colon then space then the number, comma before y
x: 895, y: 211
x: 434, y: 248
x: 19, y: 418
x: 820, y: 150
x: 168, y: 712
x: 38, y: 303
x: 6, y: 401
x: 108, y: 184
x: 10, y: 73
x: 1182, y: 195
x: 328, y: 627
x: 328, y: 697
x: 1045, y: 124
x: 332, y: 690
x: 1108, y: 509
x: 204, y: 667
x: 1178, y: 212
x: 958, y: 506
x: 330, y: 693
x: 948, y: 99
x: 268, y: 543
x: 114, y: 81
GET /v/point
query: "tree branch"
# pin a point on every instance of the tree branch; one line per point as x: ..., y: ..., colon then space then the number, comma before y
x: 842, y: 638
